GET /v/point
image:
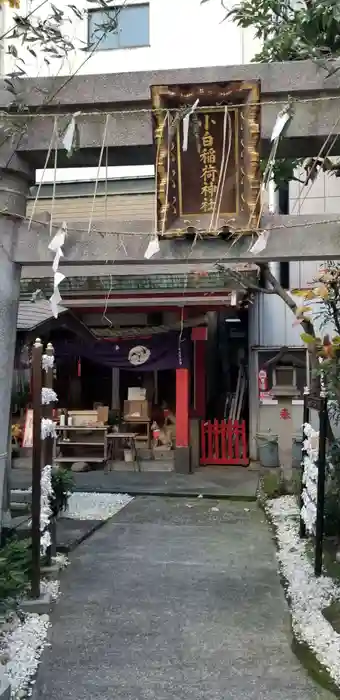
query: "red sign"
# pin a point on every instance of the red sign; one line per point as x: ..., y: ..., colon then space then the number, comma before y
x: 284, y: 414
x: 263, y: 380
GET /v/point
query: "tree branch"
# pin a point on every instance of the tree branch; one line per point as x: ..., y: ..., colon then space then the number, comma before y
x: 243, y: 280
x: 277, y: 289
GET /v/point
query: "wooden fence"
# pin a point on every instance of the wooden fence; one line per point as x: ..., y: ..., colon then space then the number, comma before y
x: 224, y: 443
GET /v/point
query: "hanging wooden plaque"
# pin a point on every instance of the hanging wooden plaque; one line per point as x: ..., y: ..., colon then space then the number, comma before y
x: 209, y: 179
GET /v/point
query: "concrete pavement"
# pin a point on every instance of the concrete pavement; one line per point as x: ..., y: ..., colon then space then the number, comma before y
x: 174, y: 599
x: 234, y: 482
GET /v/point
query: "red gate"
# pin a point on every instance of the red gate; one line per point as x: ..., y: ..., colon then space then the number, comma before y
x: 224, y: 442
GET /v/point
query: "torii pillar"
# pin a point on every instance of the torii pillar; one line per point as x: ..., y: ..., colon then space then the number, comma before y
x: 15, y: 180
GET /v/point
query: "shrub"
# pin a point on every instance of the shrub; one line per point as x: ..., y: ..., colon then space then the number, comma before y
x: 62, y: 485
x: 15, y: 566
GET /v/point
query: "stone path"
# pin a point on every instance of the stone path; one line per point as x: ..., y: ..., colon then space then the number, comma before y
x: 171, y: 602
x: 232, y: 481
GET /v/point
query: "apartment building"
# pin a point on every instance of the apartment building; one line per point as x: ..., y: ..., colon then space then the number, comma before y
x: 149, y: 35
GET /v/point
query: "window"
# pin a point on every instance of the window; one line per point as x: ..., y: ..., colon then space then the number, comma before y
x: 119, y: 27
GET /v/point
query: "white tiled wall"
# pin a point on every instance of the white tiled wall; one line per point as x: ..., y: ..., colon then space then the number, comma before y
x: 303, y: 274
x: 320, y: 197
x: 271, y: 322
x: 310, y: 199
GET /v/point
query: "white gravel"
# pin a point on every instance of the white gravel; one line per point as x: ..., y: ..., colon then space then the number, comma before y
x: 61, y: 560
x: 96, y: 506
x: 307, y: 594
x: 24, y: 646
x: 50, y: 587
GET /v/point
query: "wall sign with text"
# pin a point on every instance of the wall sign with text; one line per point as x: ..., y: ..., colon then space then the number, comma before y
x: 212, y: 179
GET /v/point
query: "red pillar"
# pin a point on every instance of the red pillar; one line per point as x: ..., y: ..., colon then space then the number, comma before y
x: 182, y: 408
x: 200, y: 379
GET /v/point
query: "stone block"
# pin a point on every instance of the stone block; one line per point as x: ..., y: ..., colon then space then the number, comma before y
x: 40, y: 606
x: 50, y: 572
x: 21, y: 496
x: 183, y: 460
x: 80, y: 467
x: 158, y: 465
x: 20, y: 508
x: 144, y: 453
x: 163, y: 453
x: 195, y: 443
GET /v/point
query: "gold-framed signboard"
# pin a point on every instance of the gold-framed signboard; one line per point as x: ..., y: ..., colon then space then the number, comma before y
x: 207, y: 163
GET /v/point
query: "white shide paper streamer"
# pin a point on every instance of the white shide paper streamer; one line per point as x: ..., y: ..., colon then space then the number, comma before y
x: 310, y: 478
x: 56, y: 246
x: 47, y: 362
x: 153, y: 247
x: 45, y: 508
x: 186, y: 121
x: 48, y: 396
x: 48, y: 428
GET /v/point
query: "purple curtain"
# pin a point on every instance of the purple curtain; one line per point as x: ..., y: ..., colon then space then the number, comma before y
x: 147, y: 354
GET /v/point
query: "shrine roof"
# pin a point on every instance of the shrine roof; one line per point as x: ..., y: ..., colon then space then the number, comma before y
x: 193, y: 279
x: 31, y: 315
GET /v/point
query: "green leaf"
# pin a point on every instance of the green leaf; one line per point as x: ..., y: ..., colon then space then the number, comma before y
x: 307, y: 338
x: 287, y: 34
x: 299, y: 292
